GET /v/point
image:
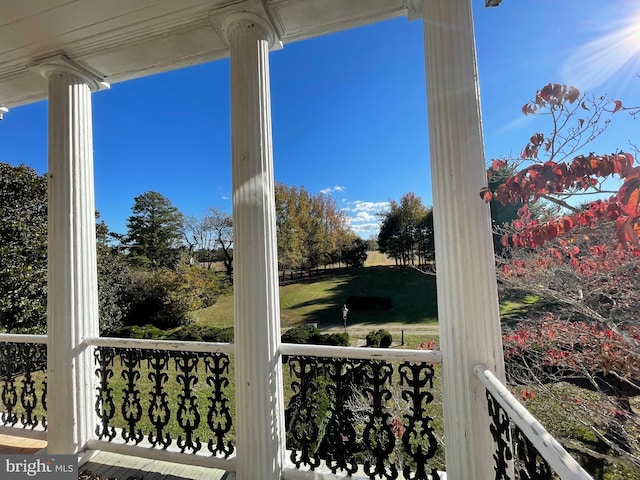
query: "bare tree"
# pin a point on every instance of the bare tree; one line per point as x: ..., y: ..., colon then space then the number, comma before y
x: 210, y: 238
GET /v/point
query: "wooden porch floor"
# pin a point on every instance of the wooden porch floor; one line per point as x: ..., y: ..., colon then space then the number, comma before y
x: 10, y: 445
x: 119, y: 467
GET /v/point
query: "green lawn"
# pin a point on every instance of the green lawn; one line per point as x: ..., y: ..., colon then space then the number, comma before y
x: 218, y: 315
x: 515, y: 306
x: 320, y: 299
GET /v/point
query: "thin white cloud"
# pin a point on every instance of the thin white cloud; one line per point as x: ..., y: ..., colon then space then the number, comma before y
x: 368, y: 207
x: 337, y: 188
x: 366, y: 230
x: 224, y: 193
x: 363, y: 217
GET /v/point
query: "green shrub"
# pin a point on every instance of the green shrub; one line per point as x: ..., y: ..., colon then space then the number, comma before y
x: 300, y: 334
x: 202, y: 286
x: 337, y: 339
x: 189, y: 333
x: 138, y: 331
x: 308, y: 334
x: 372, y: 339
x: 221, y: 335
x: 158, y: 298
x: 114, y: 283
x: 201, y: 333
x: 385, y: 339
x: 379, y: 339
x: 166, y: 298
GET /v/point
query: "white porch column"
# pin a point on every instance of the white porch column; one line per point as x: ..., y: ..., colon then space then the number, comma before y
x: 72, y: 305
x: 260, y: 434
x: 468, y: 311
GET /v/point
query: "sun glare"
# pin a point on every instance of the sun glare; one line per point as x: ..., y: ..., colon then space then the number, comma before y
x: 635, y: 33
x: 613, y: 49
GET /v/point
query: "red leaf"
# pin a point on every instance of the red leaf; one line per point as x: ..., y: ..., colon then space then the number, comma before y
x: 531, y: 151
x: 626, y: 233
x: 573, y: 94
x: 632, y: 200
x: 629, y: 193
x: 585, y: 219
x: 613, y: 212
x: 622, y: 164
x: 546, y: 91
x: 537, y: 139
x: 567, y: 223
x: 486, y: 194
x: 523, y: 211
x: 498, y: 164
x: 618, y: 105
x: 580, y: 122
x: 528, y: 109
x: 584, y: 105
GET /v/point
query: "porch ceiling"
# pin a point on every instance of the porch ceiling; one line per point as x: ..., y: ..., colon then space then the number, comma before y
x: 121, y: 39
x: 124, y: 39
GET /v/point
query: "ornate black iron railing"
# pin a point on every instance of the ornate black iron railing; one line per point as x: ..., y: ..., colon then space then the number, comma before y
x: 346, y: 414
x: 524, y: 449
x: 165, y: 398
x: 351, y: 411
x: 528, y: 464
x: 23, y: 401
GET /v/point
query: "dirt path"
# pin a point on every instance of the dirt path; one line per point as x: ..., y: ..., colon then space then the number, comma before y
x: 361, y: 330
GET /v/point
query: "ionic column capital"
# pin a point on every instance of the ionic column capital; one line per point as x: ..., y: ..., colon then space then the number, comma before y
x: 248, y: 16
x: 63, y: 64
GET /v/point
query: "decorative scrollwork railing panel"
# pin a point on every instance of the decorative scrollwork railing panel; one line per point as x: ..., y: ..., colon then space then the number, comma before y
x: 527, y: 462
x: 370, y: 416
x: 168, y: 398
x: 524, y: 450
x: 23, y: 399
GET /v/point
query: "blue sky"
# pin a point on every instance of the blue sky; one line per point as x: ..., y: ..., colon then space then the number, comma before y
x: 349, y: 109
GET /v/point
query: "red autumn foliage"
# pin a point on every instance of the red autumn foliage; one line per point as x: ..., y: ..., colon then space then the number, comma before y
x: 577, y: 350
x: 396, y: 427
x: 582, y: 331
x: 561, y: 346
x: 526, y: 395
x: 551, y: 353
x: 427, y: 345
x: 618, y: 105
x: 552, y: 95
x: 558, y: 178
